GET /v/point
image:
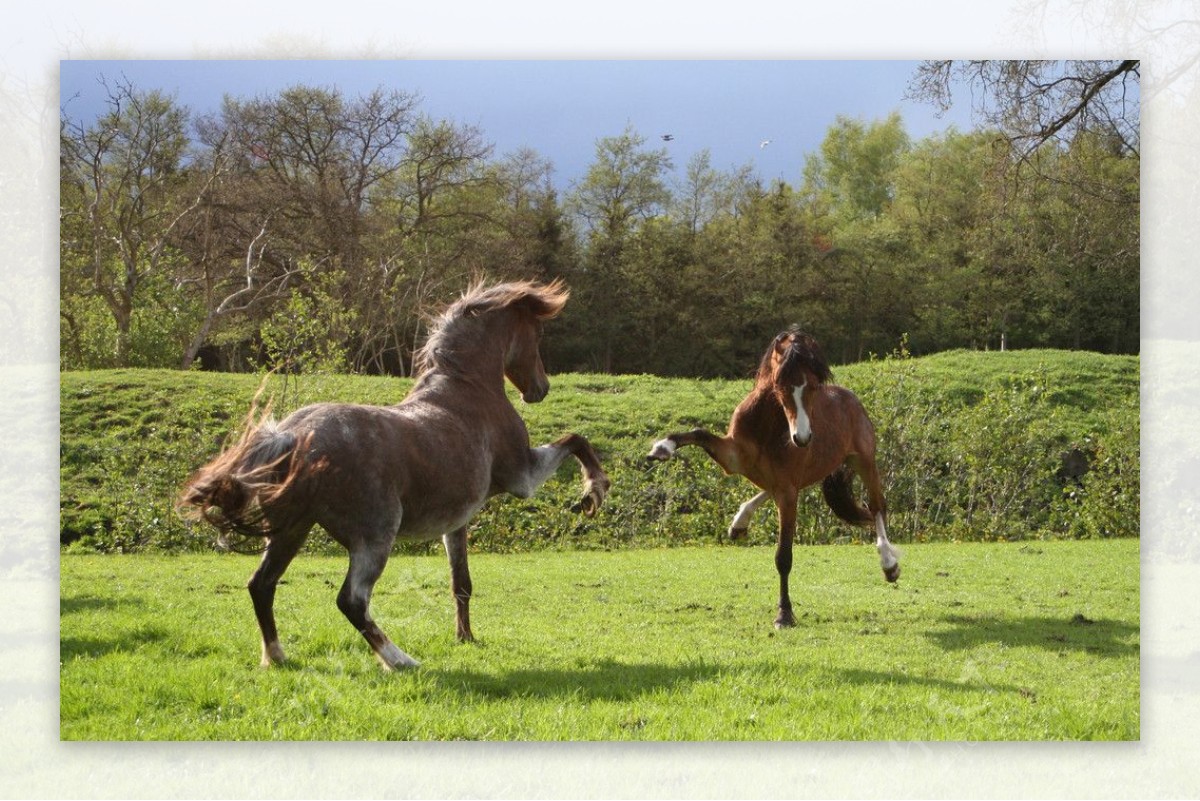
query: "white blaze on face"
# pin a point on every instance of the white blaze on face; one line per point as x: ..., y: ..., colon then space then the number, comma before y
x: 801, y: 427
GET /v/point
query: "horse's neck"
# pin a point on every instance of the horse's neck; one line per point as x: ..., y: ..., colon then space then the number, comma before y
x: 759, y: 414
x: 462, y: 389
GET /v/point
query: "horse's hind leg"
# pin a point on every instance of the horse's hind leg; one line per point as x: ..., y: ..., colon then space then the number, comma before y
x: 278, y: 555
x: 367, y: 560
x: 460, y: 582
x: 889, y: 559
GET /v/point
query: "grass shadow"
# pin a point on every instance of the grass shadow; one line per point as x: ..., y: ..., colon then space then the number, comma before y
x: 606, y: 680
x: 1108, y: 638
x: 93, y: 647
x: 880, y: 678
x: 87, y: 603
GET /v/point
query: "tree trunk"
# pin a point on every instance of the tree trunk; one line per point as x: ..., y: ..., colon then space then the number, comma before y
x: 189, y: 355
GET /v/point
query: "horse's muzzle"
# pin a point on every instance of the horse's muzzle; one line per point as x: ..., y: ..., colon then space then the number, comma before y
x: 536, y: 393
x: 801, y: 442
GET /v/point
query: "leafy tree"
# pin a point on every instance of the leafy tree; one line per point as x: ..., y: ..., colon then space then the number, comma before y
x: 849, y: 188
x: 853, y: 173
x: 121, y: 182
x: 624, y: 187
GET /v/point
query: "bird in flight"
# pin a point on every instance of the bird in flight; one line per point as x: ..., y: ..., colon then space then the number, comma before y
x: 763, y: 143
x: 668, y: 137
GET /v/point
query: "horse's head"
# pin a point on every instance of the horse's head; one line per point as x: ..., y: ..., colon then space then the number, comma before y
x: 523, y: 357
x: 504, y: 319
x: 794, y: 368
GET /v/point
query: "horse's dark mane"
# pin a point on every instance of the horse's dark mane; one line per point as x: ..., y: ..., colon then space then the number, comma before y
x: 451, y: 329
x: 804, y: 352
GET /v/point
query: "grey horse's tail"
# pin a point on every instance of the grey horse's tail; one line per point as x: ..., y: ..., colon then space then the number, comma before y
x: 234, y: 491
x: 839, y: 494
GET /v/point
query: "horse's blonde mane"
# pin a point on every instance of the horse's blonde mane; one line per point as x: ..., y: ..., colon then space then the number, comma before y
x: 544, y: 301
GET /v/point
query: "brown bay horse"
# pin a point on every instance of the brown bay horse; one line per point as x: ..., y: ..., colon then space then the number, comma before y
x: 793, y: 430
x: 416, y: 471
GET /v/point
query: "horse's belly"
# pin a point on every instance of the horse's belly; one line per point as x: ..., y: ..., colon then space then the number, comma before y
x: 430, y: 526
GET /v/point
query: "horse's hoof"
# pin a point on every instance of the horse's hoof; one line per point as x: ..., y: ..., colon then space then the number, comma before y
x: 786, y: 620
x: 392, y: 658
x: 663, y: 450
x: 892, y: 574
x: 588, y: 505
x: 594, y: 492
x: 272, y: 655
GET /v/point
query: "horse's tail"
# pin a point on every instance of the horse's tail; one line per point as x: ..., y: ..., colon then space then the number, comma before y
x: 839, y: 494
x: 257, y: 474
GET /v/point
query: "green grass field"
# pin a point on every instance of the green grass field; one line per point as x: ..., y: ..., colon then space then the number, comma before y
x: 995, y: 641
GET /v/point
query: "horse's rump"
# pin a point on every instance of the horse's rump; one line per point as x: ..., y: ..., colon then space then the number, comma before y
x: 235, y: 491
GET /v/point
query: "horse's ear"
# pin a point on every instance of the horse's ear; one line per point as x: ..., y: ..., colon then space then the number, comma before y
x: 547, y: 301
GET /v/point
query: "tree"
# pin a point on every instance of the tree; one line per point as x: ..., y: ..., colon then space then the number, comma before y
x: 849, y: 188
x: 1072, y: 194
x: 623, y: 188
x: 315, y: 158
x: 853, y: 173
x: 624, y: 185
x: 1036, y: 102
x: 951, y: 193
x: 123, y: 182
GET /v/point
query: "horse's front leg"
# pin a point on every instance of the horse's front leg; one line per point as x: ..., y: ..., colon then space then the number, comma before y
x: 786, y: 502
x: 595, y: 480
x: 741, y: 521
x: 721, y: 449
x: 544, y: 461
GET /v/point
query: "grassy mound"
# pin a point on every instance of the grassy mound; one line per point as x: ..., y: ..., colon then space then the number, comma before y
x: 973, y: 446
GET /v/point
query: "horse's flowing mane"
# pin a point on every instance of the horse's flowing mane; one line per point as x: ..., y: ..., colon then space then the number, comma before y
x: 804, y: 352
x: 452, y: 333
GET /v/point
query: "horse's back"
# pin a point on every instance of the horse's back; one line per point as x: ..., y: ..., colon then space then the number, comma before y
x: 843, y: 415
x: 841, y: 429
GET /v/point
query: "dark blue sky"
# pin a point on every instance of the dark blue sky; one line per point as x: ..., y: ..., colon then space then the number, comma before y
x: 560, y: 108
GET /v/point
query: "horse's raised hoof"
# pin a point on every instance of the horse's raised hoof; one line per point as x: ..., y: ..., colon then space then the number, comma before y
x: 594, y: 492
x: 663, y: 450
x: 892, y: 574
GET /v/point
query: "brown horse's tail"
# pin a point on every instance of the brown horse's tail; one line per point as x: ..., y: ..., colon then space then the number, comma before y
x: 839, y: 494
x: 234, y: 491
